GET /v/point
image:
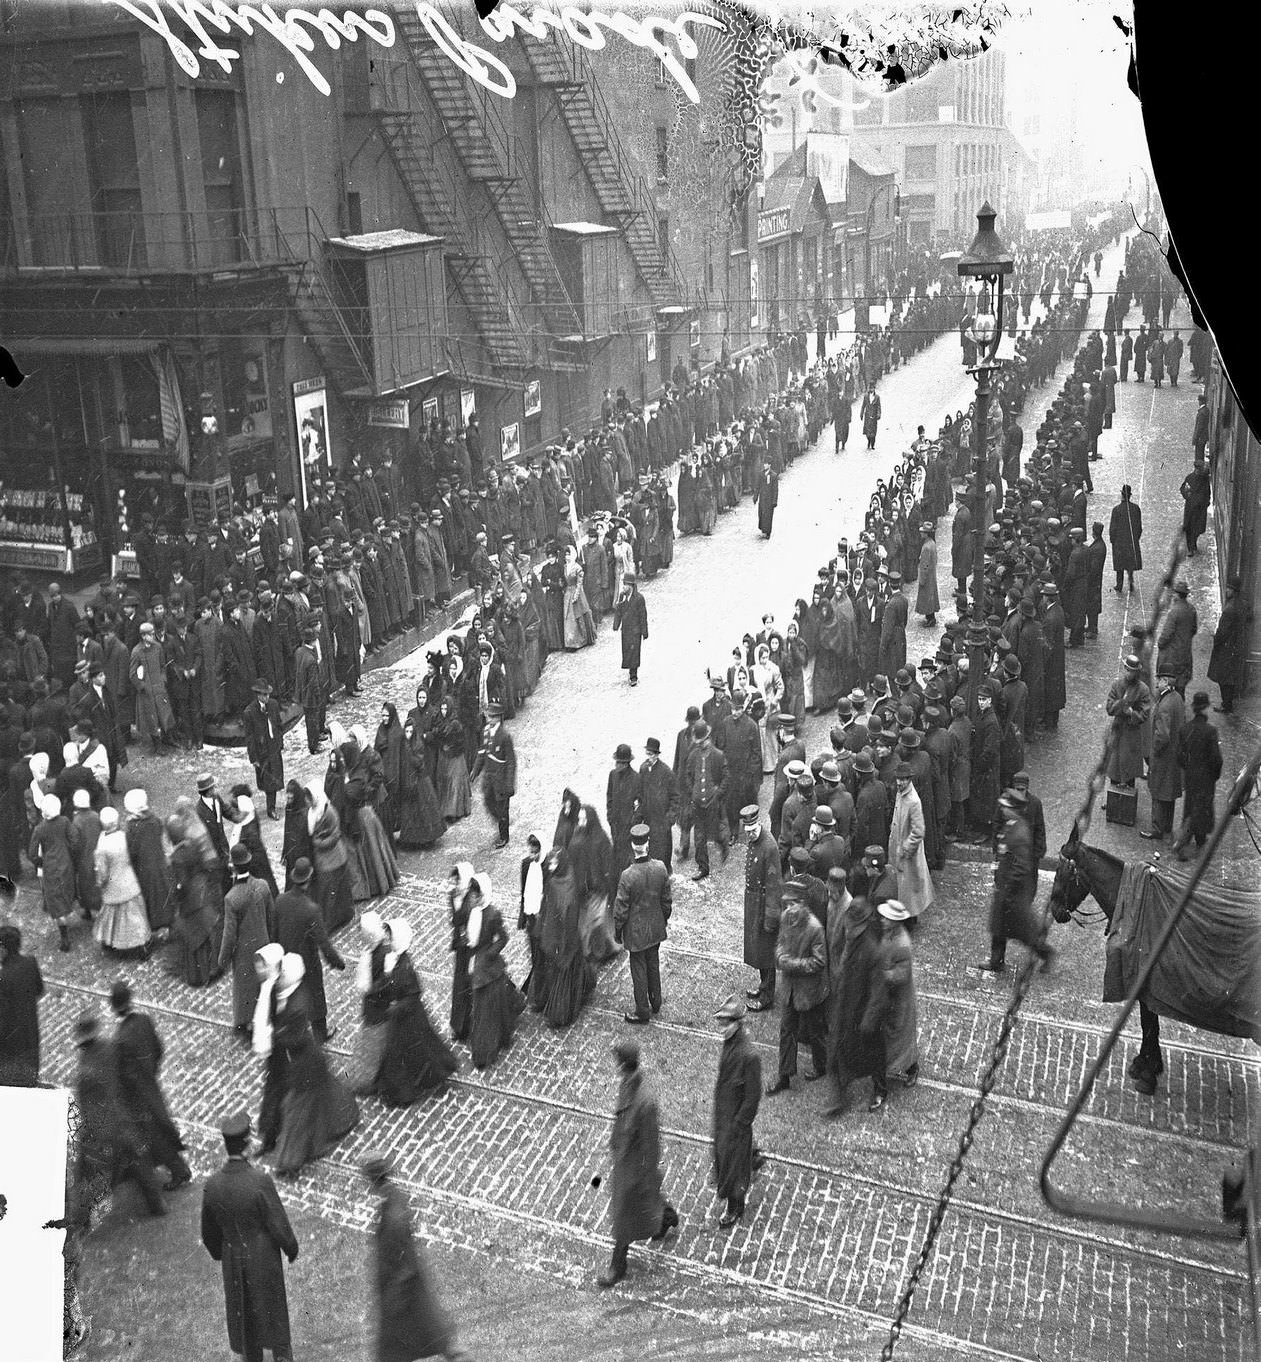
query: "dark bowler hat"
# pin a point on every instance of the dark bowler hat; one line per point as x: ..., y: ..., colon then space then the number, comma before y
x: 653, y: 747
x: 863, y: 763
x: 205, y: 782
x: 824, y: 816
x: 701, y: 731
x: 235, y: 1126
x: 262, y: 686
x: 301, y: 871
x: 903, y: 770
x: 240, y: 856
x: 1200, y: 701
x: 623, y: 752
x: 908, y: 737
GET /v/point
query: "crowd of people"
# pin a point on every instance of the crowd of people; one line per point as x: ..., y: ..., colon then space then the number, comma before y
x: 837, y: 872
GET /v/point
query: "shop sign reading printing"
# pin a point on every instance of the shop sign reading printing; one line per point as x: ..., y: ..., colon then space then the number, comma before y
x: 296, y: 30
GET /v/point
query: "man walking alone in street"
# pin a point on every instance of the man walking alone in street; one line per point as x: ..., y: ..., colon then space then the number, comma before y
x: 638, y: 1209
x: 630, y: 618
x: 497, y: 760
x: 641, y: 910
x: 801, y: 956
x: 737, y: 1094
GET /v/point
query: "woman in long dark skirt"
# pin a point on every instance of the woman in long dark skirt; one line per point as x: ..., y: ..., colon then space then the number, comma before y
x: 570, y: 978
x: 297, y: 845
x: 497, y: 1001
x: 318, y: 1109
x: 529, y: 921
x: 462, y: 974
x: 191, y: 875
x: 417, y: 1061
x: 148, y: 858
x: 590, y: 863
x: 447, y: 739
x: 422, y: 716
x: 828, y: 660
x: 250, y: 836
x: 275, y: 1061
x: 332, y: 860
x: 389, y: 744
x: 372, y: 984
x: 363, y: 782
x: 421, y: 824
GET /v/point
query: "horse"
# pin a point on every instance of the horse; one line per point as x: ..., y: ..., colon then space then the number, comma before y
x: 1087, y: 872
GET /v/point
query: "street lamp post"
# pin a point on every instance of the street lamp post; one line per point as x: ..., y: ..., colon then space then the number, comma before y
x: 987, y: 259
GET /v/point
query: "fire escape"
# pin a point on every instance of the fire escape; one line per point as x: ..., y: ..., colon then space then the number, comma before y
x: 461, y: 170
x: 560, y: 65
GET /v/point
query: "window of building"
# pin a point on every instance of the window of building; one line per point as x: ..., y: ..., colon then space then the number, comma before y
x: 221, y: 172
x: 921, y: 163
x: 663, y: 152
x: 139, y: 408
x: 109, y: 137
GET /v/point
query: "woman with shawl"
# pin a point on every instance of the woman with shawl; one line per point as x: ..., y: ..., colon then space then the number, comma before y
x: 532, y: 656
x: 147, y: 850
x: 447, y: 739
x: 370, y: 981
x: 52, y: 853
x: 296, y: 845
x: 846, y: 633
x: 122, y: 924
x: 513, y: 655
x: 194, y: 875
x: 420, y: 822
x: 579, y: 627
x: 372, y: 848
x: 389, y: 744
x: 529, y: 917
x: 317, y: 1109
x: 590, y: 859
x: 416, y: 1060
x: 496, y: 1001
x: 250, y: 836
x: 422, y: 716
x: 567, y: 820
x: 792, y: 665
x: 570, y: 978
x: 805, y: 618
x: 706, y: 497
x: 332, y: 860
x: 267, y: 970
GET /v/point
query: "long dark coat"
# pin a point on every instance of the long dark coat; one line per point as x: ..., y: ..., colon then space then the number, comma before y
x: 858, y: 999
x: 1015, y: 885
x: 52, y: 849
x: 148, y: 859
x: 636, y: 1203
x: 244, y: 1227
x: 737, y: 1093
x: 1031, y: 653
x: 299, y: 928
x: 411, y: 1322
x: 21, y: 987
x: 983, y: 791
x: 265, y: 749
x: 247, y: 928
x: 1201, y: 760
x: 767, y: 501
x: 630, y: 616
x: 138, y: 1050
x: 656, y: 805
x: 1055, y: 692
x: 1164, y: 778
x: 1226, y: 665
x: 762, y: 902
x: 1125, y: 531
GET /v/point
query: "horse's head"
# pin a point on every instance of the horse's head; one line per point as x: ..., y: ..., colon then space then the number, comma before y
x: 1070, y: 888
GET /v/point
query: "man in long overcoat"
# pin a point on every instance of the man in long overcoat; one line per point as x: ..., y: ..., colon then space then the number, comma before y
x: 927, y: 600
x: 147, y: 673
x: 1164, y: 776
x: 1015, y: 886
x: 1201, y: 760
x: 1196, y: 491
x: 741, y: 741
x: 656, y: 802
x: 1129, y: 704
x: 138, y: 1051
x: 762, y: 904
x: 411, y: 1322
x: 892, y: 648
x: 737, y: 1094
x: 1176, y: 633
x: 244, y: 1227
x: 264, y: 742
x: 907, y: 858
x: 858, y: 1001
x: 21, y: 987
x: 1054, y: 683
x: 637, y: 1207
x: 1077, y: 588
x: 300, y: 930
x: 1226, y: 664
x: 496, y: 763
x: 1097, y: 559
x: 630, y: 617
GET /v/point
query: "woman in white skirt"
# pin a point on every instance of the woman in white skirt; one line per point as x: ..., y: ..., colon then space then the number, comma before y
x: 123, y: 924
x: 372, y: 983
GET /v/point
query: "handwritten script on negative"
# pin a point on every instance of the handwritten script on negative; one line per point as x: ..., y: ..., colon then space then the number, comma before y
x: 297, y: 31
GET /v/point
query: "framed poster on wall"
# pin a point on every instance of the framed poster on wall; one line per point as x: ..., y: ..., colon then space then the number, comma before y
x: 468, y: 404
x: 429, y: 411
x: 650, y: 340
x: 510, y: 441
x: 310, y: 418
x: 533, y: 397
x: 694, y: 334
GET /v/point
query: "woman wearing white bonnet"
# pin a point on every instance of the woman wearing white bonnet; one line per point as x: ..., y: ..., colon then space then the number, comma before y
x: 417, y: 1061
x: 318, y: 1109
x: 371, y: 982
x: 146, y: 843
x: 123, y: 924
x: 87, y: 823
x: 497, y: 1001
x: 52, y: 851
x: 267, y: 968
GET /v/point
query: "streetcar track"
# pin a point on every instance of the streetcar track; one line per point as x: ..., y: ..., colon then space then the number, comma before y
x: 883, y: 1186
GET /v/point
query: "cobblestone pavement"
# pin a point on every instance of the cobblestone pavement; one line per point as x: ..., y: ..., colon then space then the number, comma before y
x: 504, y: 1164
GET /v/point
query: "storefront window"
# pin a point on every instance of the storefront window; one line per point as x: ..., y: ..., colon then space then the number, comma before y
x: 139, y: 411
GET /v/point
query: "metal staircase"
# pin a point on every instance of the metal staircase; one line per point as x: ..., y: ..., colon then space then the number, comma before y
x: 560, y: 65
x: 489, y: 156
